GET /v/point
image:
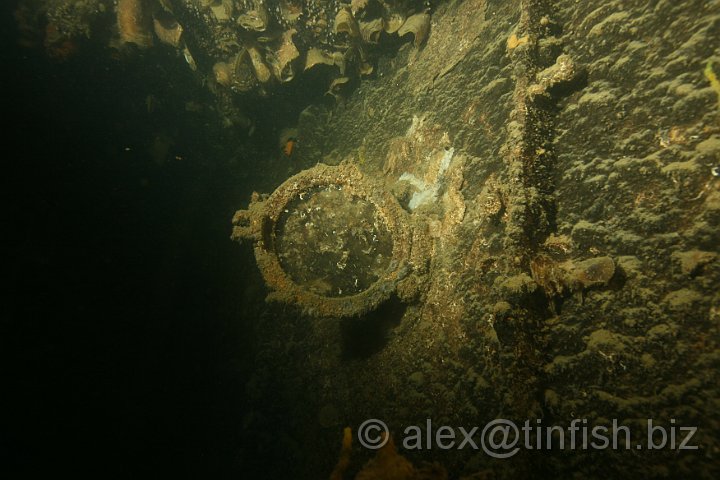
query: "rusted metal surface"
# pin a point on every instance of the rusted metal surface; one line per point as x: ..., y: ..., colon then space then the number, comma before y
x: 259, y: 224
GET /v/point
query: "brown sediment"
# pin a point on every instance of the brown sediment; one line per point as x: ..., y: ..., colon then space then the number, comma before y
x: 134, y: 23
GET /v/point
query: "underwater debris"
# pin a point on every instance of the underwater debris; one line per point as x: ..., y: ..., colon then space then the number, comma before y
x: 344, y: 459
x: 329, y: 240
x: 563, y: 71
x: 266, y: 38
x: 514, y: 42
x: 167, y: 28
x: 189, y: 59
x: 338, y: 88
x: 223, y: 73
x: 134, y: 23
x: 387, y: 464
x: 262, y: 72
x: 255, y: 17
x: 282, y: 58
x: 419, y: 26
x: 287, y: 141
x: 712, y: 78
x: 169, y: 35
x: 345, y: 23
x: 58, y: 27
x: 370, y: 31
x: 357, y: 6
x: 290, y: 11
x: 692, y: 261
x: 557, y: 279
x: 427, y: 193
x: 315, y: 56
x: 589, y: 273
x: 221, y: 9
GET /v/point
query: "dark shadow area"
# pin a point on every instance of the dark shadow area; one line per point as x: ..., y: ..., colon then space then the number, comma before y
x: 125, y: 326
x: 368, y: 334
x: 619, y: 278
x: 565, y: 89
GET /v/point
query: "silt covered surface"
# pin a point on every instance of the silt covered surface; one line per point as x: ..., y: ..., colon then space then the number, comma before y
x: 572, y: 271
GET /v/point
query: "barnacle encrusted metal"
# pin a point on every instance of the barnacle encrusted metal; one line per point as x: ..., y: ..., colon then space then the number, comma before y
x: 328, y: 239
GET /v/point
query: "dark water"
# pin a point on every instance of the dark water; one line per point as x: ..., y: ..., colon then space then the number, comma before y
x: 123, y: 314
